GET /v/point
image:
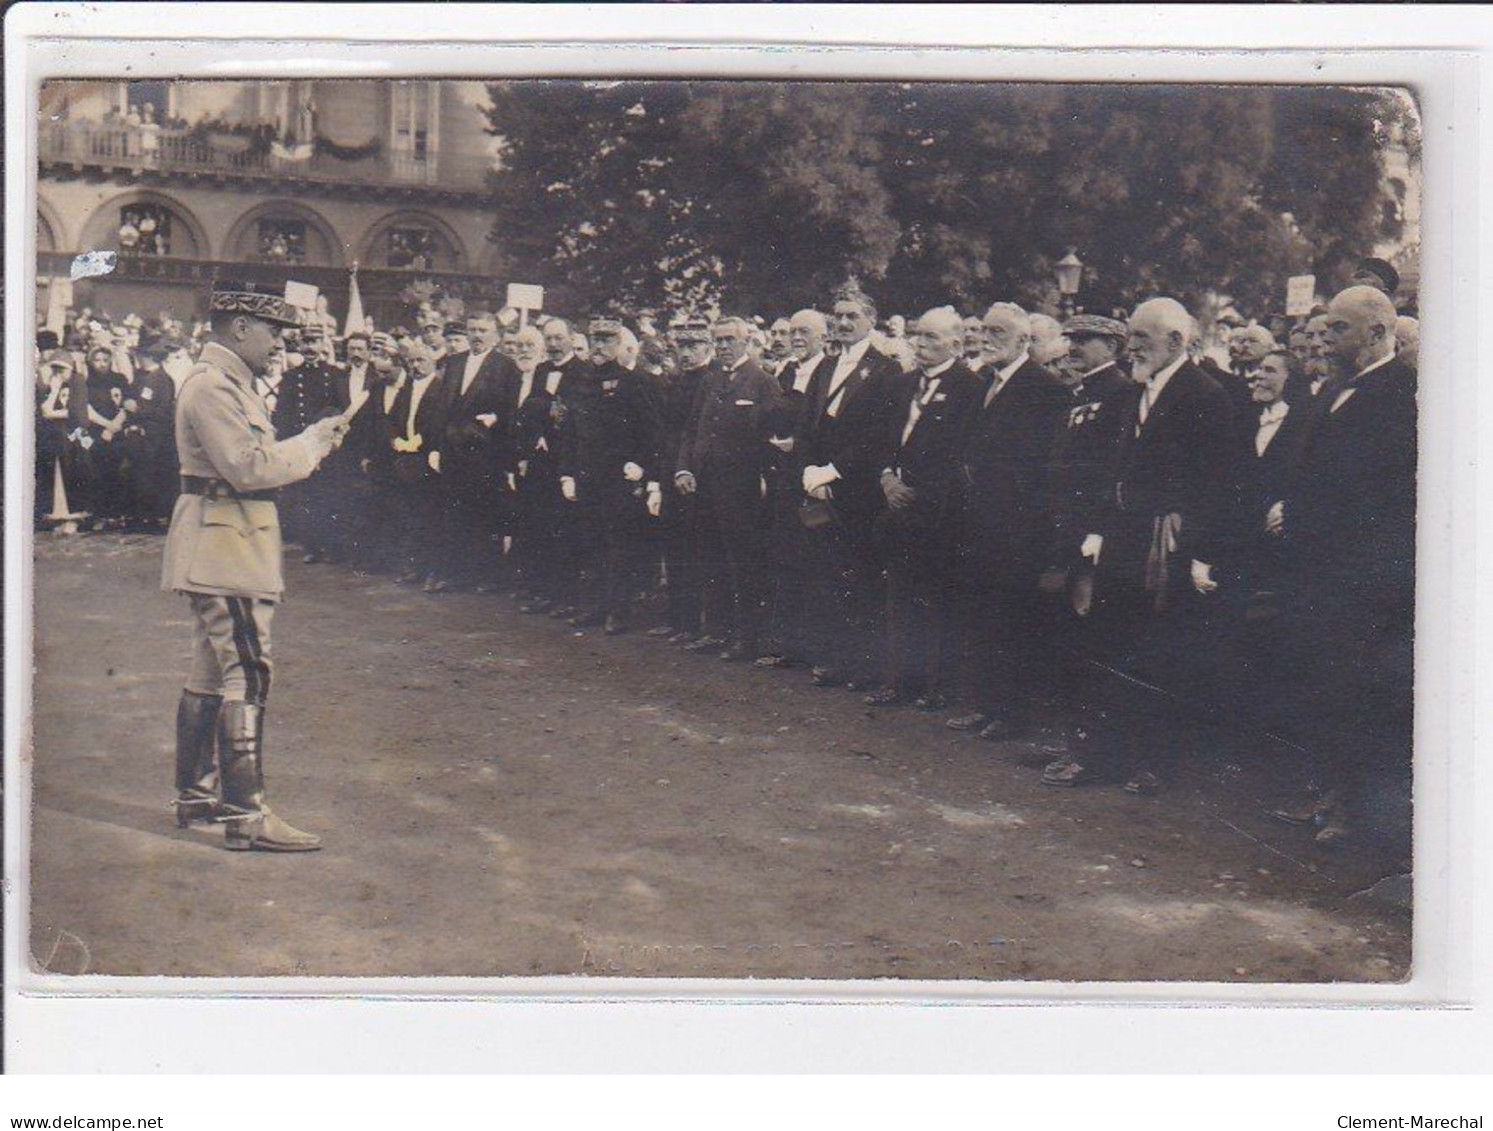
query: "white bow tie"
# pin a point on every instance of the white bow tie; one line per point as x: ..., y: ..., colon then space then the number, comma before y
x: 1273, y: 413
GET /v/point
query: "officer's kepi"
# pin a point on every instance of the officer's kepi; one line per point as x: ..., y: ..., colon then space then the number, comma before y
x: 257, y: 300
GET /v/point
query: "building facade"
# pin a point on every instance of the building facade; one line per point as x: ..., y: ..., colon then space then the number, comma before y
x: 190, y: 181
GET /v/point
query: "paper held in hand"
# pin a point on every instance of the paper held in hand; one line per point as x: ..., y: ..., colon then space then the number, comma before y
x: 360, y: 398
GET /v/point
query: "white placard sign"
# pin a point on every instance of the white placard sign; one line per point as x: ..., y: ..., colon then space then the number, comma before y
x: 301, y: 295
x: 525, y: 296
x: 1301, y: 294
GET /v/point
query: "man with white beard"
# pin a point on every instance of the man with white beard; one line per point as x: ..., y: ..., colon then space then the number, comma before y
x: 1153, y: 545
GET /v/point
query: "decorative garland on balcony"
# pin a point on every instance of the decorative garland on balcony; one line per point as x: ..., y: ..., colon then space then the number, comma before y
x: 370, y: 148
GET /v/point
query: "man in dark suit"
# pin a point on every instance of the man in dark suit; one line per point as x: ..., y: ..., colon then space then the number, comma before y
x: 345, y: 497
x: 840, y: 447
x: 474, y: 455
x: 609, y: 458
x: 678, y: 400
x: 1349, y: 524
x: 787, y: 560
x: 407, y: 422
x: 1154, y: 545
x: 998, y: 527
x: 530, y: 413
x: 724, y: 456
x: 937, y: 404
x: 556, y: 576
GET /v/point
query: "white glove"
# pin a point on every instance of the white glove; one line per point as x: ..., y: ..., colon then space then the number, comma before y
x: 632, y: 472
x: 684, y: 482
x: 1275, y: 519
x: 512, y: 482
x: 434, y: 460
x: 816, y: 477
x: 1202, y: 577
x: 762, y: 484
x: 782, y: 443
x: 567, y: 488
x: 1092, y: 544
x: 655, y: 500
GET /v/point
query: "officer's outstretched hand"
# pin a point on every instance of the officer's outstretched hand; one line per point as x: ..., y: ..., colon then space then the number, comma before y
x: 326, y: 434
x: 567, y: 488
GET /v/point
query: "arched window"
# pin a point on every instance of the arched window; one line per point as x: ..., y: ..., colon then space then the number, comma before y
x: 283, y: 233
x: 413, y: 241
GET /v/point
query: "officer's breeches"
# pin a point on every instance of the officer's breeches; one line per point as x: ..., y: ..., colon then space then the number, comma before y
x: 231, y: 647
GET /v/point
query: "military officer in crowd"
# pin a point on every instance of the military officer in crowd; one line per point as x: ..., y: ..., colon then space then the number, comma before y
x: 609, y: 456
x: 223, y: 553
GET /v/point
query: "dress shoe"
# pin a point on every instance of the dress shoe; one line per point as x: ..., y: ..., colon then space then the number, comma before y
x: 739, y: 651
x: 685, y: 637
x: 1311, y: 813
x: 999, y: 730
x: 772, y: 660
x: 615, y: 626
x: 1064, y: 773
x: 826, y: 677
x: 1334, y: 834
x: 932, y: 701
x: 586, y: 620
x: 973, y: 721
x: 706, y: 644
x: 886, y: 697
x: 434, y: 584
x: 661, y: 631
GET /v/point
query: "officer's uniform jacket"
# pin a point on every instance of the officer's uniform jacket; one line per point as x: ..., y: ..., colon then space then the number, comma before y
x: 230, y: 546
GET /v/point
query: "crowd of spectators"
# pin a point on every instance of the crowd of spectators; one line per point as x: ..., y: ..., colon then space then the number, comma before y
x: 1158, y: 543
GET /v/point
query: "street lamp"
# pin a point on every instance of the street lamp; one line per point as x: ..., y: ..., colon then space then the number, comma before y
x: 1069, y: 271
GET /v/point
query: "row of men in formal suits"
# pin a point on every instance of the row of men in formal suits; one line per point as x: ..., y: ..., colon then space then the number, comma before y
x: 1154, y: 547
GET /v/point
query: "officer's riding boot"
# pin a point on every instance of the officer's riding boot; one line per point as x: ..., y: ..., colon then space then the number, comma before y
x: 250, y: 824
x: 196, y: 763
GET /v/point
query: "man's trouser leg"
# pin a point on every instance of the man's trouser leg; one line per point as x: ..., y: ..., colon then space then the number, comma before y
x: 680, y: 561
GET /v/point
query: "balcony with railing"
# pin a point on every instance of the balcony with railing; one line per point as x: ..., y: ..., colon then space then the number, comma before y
x: 246, y: 154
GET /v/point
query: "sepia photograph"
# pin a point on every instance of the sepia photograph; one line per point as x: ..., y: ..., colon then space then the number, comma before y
x: 657, y: 528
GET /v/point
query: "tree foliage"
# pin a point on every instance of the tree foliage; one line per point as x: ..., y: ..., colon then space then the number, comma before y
x: 759, y: 196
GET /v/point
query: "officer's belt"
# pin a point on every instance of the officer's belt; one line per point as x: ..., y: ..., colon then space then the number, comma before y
x: 222, y: 489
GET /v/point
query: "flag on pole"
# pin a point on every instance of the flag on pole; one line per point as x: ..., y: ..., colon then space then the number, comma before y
x: 356, y: 323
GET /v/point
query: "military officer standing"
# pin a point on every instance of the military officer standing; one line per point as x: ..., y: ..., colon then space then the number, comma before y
x: 609, y: 443
x: 223, y: 553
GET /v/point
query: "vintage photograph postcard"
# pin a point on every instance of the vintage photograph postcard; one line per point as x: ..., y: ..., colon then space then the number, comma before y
x: 759, y: 529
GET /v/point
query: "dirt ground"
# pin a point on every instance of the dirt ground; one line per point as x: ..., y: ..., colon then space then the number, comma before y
x: 502, y: 795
